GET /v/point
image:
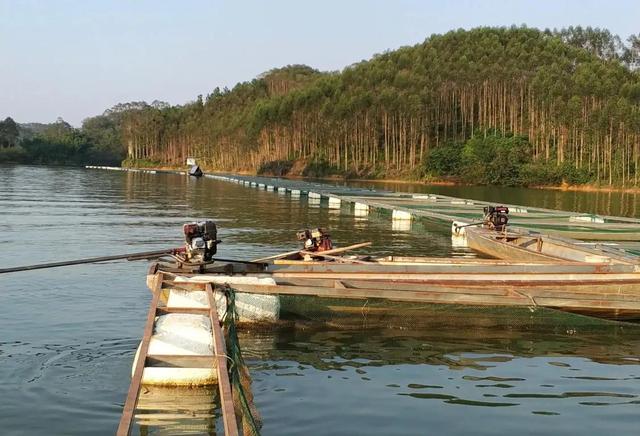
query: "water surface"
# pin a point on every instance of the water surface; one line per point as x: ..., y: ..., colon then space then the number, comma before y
x: 67, y: 336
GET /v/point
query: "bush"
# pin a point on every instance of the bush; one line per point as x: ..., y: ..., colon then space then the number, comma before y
x: 319, y: 168
x: 141, y: 163
x: 276, y: 167
x: 575, y: 176
x: 540, y: 174
x: 445, y: 160
x: 13, y: 155
x: 495, y: 159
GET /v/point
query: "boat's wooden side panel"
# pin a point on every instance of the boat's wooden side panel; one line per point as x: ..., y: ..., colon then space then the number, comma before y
x: 477, y: 241
x: 540, y: 249
x: 521, y: 296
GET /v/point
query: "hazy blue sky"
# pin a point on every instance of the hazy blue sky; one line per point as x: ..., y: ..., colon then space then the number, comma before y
x: 74, y: 59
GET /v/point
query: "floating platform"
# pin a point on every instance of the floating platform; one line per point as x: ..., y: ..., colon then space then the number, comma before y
x: 406, y: 207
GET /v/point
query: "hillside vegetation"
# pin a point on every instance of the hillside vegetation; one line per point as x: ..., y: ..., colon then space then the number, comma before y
x: 489, y: 105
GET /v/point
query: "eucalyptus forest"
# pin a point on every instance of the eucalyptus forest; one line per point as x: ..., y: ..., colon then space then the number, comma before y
x: 514, y: 106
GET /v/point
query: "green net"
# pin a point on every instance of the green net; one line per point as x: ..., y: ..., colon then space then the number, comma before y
x: 238, y: 372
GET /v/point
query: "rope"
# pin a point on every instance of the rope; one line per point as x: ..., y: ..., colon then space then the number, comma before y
x: 238, y: 372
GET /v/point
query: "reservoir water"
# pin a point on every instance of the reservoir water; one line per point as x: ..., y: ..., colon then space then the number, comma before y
x: 68, y: 335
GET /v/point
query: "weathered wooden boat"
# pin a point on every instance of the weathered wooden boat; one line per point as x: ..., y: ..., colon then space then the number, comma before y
x: 610, y: 290
x: 533, y: 247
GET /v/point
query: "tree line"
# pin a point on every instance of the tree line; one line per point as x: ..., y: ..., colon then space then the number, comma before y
x: 98, y: 141
x: 566, y: 103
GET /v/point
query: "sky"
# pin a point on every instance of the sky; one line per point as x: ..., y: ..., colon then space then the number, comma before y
x: 75, y: 58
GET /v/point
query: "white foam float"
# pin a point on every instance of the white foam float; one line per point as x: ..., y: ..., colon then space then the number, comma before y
x: 185, y: 334
x: 401, y: 215
x: 424, y: 197
x: 586, y: 219
x: 458, y: 228
x: 334, y: 203
x: 459, y: 241
x: 361, y: 209
x: 179, y: 334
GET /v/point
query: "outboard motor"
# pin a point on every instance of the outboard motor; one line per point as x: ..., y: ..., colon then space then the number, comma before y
x: 315, y: 239
x: 496, y: 217
x: 201, y: 241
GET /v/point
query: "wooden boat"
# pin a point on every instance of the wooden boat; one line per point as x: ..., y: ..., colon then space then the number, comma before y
x: 534, y: 247
x: 609, y: 290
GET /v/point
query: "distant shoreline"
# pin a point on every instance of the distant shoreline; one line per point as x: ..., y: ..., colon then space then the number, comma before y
x: 565, y: 187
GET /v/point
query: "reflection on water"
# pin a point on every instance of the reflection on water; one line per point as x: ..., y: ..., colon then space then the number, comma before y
x: 171, y: 410
x: 68, y: 335
x: 459, y: 371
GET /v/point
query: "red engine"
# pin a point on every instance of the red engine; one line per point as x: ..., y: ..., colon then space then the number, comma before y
x: 315, y: 239
x: 201, y: 240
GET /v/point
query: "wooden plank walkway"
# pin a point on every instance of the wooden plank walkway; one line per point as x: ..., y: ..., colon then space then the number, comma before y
x: 144, y: 359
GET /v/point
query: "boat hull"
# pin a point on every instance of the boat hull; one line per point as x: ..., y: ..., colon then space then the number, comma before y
x: 539, y: 248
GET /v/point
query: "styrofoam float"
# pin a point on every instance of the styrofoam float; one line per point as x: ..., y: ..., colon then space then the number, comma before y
x: 182, y: 334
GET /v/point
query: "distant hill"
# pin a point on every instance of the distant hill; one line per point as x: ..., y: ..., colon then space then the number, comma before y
x: 489, y: 105
x: 572, y: 95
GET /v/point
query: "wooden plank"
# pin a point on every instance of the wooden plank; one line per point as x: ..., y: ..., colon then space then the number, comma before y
x: 277, y: 256
x: 341, y: 249
x: 572, y: 303
x: 622, y: 291
x: 224, y: 386
x: 457, y: 296
x: 126, y: 419
x: 470, y: 279
x: 336, y: 258
x: 187, y: 310
x: 444, y: 295
x: 181, y: 286
x: 456, y: 268
x: 180, y: 361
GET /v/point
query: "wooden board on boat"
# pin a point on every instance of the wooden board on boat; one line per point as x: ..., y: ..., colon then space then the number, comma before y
x: 522, y: 247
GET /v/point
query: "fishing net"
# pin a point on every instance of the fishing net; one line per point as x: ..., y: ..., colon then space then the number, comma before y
x: 238, y: 372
